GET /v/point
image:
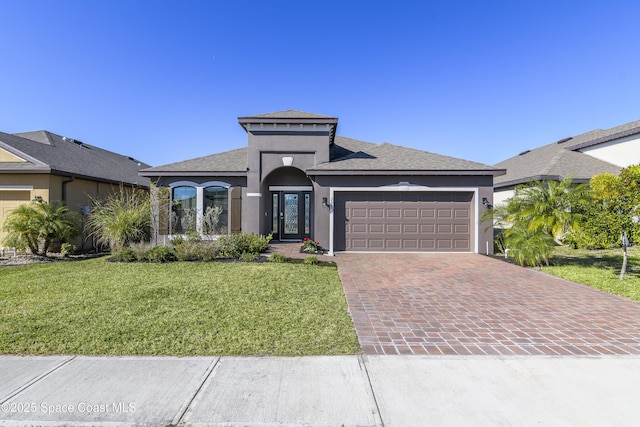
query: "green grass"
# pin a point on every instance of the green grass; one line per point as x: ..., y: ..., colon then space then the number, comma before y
x: 96, y: 307
x: 598, y: 269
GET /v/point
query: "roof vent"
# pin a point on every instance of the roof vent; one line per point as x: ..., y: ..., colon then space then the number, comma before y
x: 134, y: 160
x: 524, y: 152
x: 564, y: 140
x: 75, y: 141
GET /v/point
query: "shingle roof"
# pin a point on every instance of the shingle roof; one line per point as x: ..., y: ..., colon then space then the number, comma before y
x: 562, y: 159
x: 48, y: 152
x: 288, y: 114
x: 346, y: 155
x: 354, y: 155
x: 600, y: 136
x: 234, y: 161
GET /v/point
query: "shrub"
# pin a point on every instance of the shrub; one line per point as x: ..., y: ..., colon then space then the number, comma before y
x: 234, y: 245
x: 528, y: 247
x: 161, y: 254
x: 248, y: 256
x: 120, y: 219
x: 125, y: 255
x: 140, y: 250
x: 39, y: 224
x: 209, y: 250
x: 187, y: 251
x: 311, y: 260
x: 68, y: 249
x: 278, y: 258
x: 177, y: 240
x: 195, y: 251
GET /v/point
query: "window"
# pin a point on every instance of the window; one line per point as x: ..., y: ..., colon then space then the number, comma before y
x: 184, y: 208
x: 215, y: 217
x: 275, y: 218
x: 307, y: 213
x: 200, y: 208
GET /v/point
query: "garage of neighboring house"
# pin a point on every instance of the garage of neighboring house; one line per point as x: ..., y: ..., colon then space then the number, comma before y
x: 11, y: 199
x: 420, y: 221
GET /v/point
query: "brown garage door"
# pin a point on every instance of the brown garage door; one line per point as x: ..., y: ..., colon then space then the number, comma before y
x: 436, y: 222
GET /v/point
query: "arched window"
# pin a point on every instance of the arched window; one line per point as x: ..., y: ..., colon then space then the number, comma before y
x: 215, y: 216
x: 184, y: 209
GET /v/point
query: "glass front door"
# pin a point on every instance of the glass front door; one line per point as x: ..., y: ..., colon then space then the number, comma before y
x: 290, y: 215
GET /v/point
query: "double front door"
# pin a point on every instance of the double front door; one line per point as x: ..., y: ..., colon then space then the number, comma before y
x: 291, y: 214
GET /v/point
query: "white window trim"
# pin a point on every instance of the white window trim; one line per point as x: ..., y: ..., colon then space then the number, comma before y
x: 16, y: 187
x: 200, y: 198
x: 404, y: 187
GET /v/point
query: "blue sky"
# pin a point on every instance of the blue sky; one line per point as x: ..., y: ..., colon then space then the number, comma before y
x: 165, y: 81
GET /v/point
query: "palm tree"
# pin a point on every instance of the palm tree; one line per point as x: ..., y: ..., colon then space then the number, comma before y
x: 545, y: 206
x: 37, y: 223
x: 55, y: 222
x: 528, y: 247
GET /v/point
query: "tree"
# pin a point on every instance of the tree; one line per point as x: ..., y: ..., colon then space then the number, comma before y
x: 39, y: 224
x: 612, y: 209
x: 538, y: 214
x: 546, y: 206
x: 121, y: 218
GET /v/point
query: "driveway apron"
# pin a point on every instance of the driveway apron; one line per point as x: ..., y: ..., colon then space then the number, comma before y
x: 470, y: 304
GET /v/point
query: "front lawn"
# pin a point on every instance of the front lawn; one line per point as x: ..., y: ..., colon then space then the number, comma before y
x: 598, y: 269
x: 96, y: 307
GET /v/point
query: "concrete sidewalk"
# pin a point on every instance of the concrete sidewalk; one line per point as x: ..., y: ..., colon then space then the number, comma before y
x: 321, y: 391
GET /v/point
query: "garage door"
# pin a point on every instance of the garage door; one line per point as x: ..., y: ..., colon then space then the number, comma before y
x: 436, y: 221
x: 9, y: 200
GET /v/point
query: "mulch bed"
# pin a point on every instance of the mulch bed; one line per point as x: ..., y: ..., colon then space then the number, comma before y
x: 27, y: 259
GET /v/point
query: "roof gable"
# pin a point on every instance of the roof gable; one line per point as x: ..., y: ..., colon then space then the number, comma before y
x: 7, y: 157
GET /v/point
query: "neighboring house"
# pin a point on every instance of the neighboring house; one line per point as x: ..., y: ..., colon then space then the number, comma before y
x: 297, y: 179
x: 580, y: 157
x: 50, y: 167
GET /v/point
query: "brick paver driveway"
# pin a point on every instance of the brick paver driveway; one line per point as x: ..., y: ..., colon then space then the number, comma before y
x: 472, y: 304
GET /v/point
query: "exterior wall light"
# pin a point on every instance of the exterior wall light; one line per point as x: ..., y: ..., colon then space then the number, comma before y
x: 486, y: 203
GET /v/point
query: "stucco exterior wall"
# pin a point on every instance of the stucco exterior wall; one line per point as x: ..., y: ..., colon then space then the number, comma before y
x: 265, y: 155
x: 501, y: 196
x: 622, y: 152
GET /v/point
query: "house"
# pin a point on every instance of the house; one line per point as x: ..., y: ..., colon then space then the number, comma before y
x: 297, y: 179
x: 44, y: 166
x: 580, y: 157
